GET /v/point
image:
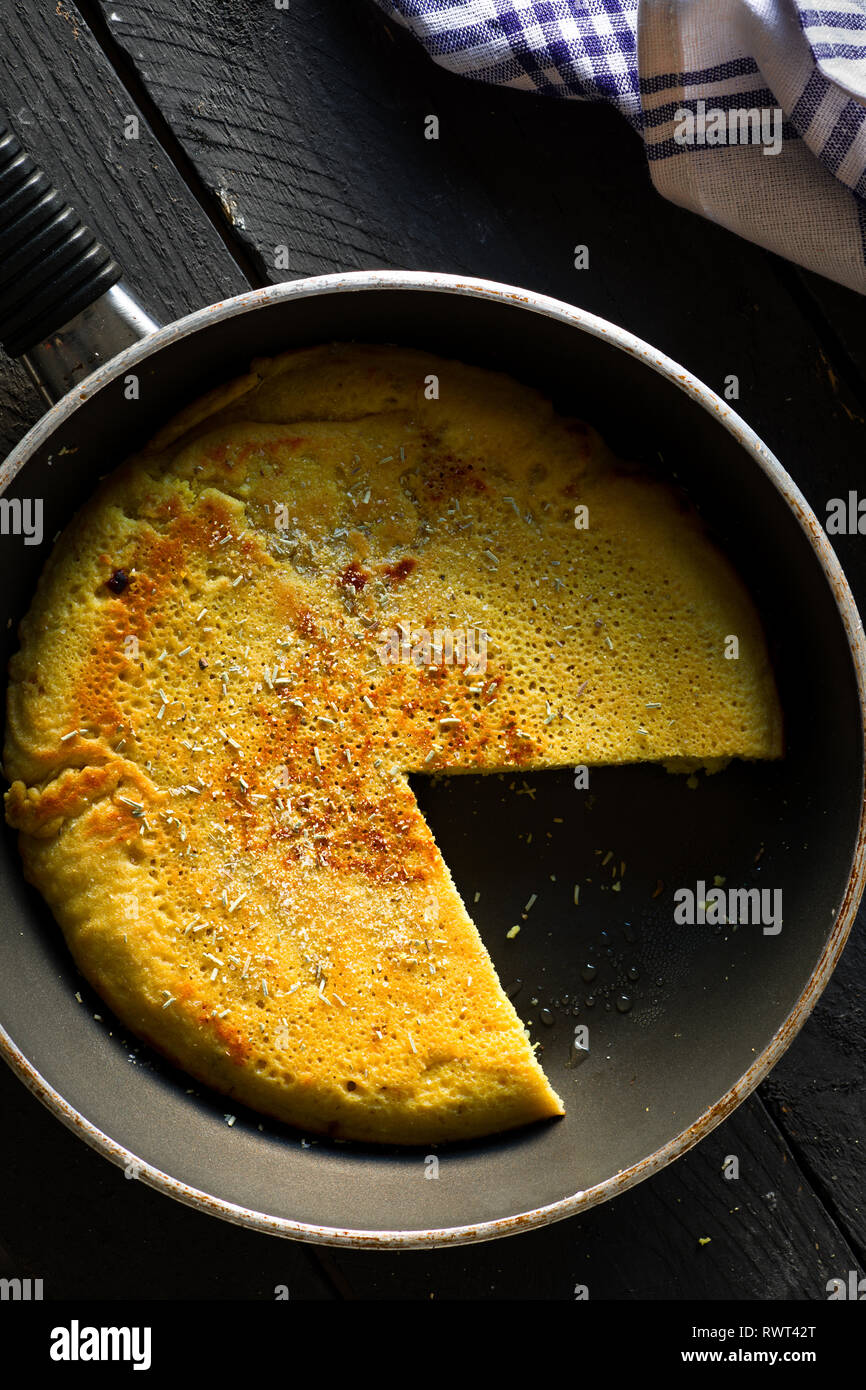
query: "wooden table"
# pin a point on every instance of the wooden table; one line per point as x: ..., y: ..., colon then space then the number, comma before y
x: 262, y: 128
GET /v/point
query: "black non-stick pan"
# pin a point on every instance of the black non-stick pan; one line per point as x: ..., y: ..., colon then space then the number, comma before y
x: 681, y: 1021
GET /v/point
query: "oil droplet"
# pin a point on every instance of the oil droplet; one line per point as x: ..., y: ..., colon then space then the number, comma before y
x: 624, y: 1003
x: 589, y: 1001
x: 633, y: 972
x: 546, y: 1017
x: 630, y: 932
x: 589, y: 972
x: 514, y: 989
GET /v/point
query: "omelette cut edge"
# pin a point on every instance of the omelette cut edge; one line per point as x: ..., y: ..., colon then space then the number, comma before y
x: 458, y: 1071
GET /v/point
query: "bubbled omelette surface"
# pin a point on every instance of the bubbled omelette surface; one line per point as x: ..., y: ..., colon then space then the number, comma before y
x: 210, y: 725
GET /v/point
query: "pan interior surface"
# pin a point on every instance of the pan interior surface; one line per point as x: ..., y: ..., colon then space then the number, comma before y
x: 676, y: 1014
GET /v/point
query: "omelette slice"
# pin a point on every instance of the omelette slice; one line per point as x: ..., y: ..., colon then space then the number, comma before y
x: 355, y: 563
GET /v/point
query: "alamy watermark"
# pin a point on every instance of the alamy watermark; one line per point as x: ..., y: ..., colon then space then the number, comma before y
x: 22, y: 516
x: 699, y: 906
x: 739, y: 126
x: 21, y: 1290
x: 441, y: 646
x: 77, y: 1343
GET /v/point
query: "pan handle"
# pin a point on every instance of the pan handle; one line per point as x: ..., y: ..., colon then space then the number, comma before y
x: 61, y: 307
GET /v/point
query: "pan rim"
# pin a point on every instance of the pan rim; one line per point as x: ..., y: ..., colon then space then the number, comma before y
x: 582, y: 320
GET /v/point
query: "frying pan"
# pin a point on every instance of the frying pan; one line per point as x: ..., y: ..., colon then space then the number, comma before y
x: 683, y: 1021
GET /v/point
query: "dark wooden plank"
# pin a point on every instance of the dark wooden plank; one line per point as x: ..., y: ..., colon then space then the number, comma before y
x: 68, y: 107
x: 845, y: 310
x: 72, y: 1219
x: 20, y: 403
x: 316, y: 140
x: 816, y: 1094
x: 767, y: 1238
x: 320, y: 146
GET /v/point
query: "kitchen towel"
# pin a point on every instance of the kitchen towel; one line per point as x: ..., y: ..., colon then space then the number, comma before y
x: 752, y: 112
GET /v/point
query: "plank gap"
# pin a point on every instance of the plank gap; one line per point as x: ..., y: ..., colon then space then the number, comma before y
x: 127, y: 74
x: 818, y: 1186
x: 830, y: 341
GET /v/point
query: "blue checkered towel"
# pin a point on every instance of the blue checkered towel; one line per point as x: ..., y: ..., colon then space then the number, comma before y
x: 753, y: 112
